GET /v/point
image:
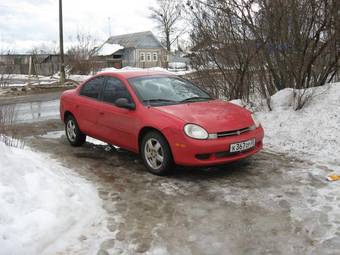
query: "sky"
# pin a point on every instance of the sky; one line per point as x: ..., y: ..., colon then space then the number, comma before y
x: 25, y: 24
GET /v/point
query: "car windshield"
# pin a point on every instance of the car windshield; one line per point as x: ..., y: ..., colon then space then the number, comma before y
x: 165, y: 90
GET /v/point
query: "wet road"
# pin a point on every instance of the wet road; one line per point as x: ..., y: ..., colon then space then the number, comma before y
x: 267, y: 204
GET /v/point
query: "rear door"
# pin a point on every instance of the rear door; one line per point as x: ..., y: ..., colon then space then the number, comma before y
x: 88, y: 105
x: 118, y: 125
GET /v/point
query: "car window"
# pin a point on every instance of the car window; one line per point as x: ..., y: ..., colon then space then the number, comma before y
x: 113, y: 90
x: 92, y: 88
x: 166, y: 90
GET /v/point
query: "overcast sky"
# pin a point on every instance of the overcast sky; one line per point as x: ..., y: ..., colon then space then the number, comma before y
x: 28, y: 23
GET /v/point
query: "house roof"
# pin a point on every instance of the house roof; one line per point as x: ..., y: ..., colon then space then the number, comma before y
x: 108, y: 49
x: 141, y: 40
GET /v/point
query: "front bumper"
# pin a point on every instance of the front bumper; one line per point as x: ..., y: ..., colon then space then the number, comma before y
x: 191, y: 152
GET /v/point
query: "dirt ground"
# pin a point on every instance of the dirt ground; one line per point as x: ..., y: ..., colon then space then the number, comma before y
x: 267, y: 204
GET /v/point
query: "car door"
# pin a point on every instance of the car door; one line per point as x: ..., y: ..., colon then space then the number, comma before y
x: 88, y: 105
x: 118, y: 125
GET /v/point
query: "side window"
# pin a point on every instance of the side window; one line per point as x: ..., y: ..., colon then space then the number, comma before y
x: 113, y: 90
x: 92, y: 88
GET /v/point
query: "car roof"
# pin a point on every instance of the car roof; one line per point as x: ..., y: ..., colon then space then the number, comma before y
x: 127, y: 74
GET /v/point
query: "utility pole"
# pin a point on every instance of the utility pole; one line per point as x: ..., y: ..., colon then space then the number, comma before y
x: 61, y: 42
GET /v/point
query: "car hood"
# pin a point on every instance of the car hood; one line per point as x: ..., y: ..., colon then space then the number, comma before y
x: 214, y: 116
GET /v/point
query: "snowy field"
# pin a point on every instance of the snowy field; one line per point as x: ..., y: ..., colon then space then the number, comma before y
x: 46, y: 208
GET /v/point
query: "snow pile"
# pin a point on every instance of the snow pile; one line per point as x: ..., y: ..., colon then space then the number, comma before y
x: 177, y: 66
x: 44, y: 208
x: 314, y: 130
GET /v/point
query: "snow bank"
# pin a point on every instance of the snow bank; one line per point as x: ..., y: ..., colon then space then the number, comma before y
x: 44, y: 208
x: 314, y: 130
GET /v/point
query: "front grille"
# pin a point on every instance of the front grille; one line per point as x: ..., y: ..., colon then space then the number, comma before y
x: 234, y: 132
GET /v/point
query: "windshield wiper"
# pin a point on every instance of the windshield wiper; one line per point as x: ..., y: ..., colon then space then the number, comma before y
x: 159, y: 100
x: 194, y: 99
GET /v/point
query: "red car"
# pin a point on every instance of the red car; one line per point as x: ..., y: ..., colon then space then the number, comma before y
x: 165, y: 118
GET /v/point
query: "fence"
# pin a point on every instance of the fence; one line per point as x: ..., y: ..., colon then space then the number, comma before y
x: 45, y: 69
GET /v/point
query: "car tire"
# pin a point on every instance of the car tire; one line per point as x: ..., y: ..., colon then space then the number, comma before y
x: 74, y: 135
x: 156, y: 153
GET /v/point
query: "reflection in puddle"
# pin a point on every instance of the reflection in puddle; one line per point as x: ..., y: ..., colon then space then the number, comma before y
x: 31, y: 112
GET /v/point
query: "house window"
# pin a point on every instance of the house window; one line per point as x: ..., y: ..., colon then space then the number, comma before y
x: 142, y: 57
x: 155, y: 57
x: 148, y: 57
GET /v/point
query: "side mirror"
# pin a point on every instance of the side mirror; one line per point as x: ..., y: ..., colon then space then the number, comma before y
x: 124, y: 103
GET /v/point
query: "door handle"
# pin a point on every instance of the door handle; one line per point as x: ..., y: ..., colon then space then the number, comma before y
x: 101, y: 113
x: 77, y: 106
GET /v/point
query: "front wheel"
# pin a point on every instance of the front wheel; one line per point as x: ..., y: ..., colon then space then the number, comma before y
x: 156, y: 153
x: 73, y: 133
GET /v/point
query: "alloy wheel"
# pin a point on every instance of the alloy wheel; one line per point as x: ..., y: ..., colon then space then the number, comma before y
x: 71, y: 130
x: 153, y: 152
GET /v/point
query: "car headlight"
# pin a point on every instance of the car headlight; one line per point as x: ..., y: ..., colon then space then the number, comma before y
x: 195, y: 131
x: 256, y: 120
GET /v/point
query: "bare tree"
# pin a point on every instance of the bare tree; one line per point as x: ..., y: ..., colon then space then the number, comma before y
x: 167, y: 14
x: 7, y: 120
x: 277, y: 44
x: 81, y: 53
x: 6, y: 69
x: 224, y: 53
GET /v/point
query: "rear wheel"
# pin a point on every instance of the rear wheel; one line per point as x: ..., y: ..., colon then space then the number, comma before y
x: 73, y: 133
x: 156, y: 153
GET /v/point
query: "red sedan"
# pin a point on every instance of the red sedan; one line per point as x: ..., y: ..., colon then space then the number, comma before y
x: 165, y: 118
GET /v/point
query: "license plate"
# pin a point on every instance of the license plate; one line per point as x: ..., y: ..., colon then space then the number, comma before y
x: 242, y: 146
